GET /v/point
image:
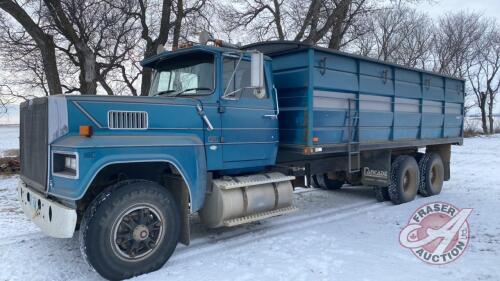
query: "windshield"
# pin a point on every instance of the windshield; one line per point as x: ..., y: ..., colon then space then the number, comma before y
x: 189, y: 75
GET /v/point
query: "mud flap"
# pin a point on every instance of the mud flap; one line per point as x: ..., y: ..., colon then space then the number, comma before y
x: 444, y: 150
x: 376, y: 167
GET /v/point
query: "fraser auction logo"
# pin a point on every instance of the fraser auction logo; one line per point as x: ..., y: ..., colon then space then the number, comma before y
x: 437, y: 233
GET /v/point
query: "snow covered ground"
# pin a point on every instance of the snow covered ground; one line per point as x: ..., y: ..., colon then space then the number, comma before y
x: 336, y: 235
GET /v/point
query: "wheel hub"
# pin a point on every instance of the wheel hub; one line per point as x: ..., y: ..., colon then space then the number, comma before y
x: 140, y: 233
x: 137, y: 232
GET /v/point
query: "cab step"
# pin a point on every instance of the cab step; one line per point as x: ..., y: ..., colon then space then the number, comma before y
x: 259, y: 216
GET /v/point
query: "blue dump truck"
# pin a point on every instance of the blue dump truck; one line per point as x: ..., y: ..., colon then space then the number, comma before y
x: 227, y: 133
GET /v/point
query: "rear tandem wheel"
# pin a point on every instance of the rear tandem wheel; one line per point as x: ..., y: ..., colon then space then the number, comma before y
x: 404, y: 179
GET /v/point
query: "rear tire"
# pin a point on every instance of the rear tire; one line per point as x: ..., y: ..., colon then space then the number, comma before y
x: 404, y: 179
x: 382, y: 193
x: 130, y: 230
x: 431, y: 174
x: 323, y: 181
x: 316, y: 180
x: 355, y: 179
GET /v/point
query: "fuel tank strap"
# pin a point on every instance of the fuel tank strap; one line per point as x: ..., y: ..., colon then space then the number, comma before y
x: 276, y: 192
x: 241, y: 181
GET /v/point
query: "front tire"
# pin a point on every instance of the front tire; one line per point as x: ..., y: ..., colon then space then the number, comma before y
x: 404, y: 179
x: 130, y: 230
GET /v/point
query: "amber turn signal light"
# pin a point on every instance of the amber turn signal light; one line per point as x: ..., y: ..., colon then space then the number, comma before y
x: 86, y: 131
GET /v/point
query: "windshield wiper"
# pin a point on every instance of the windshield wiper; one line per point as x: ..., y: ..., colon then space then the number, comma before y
x: 191, y: 89
x: 165, y: 92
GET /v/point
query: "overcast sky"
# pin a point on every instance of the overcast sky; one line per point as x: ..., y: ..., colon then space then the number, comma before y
x: 490, y: 8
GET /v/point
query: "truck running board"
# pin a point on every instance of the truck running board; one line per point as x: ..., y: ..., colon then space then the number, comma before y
x: 259, y: 216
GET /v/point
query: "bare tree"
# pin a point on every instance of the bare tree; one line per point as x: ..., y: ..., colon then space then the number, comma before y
x: 475, y: 80
x: 312, y: 21
x: 340, y: 22
x: 153, y: 43
x: 263, y: 17
x: 349, y: 26
x: 453, y: 40
x: 9, y: 96
x: 155, y: 33
x: 98, y: 44
x: 485, y: 77
x: 86, y: 58
x: 105, y: 32
x: 98, y: 39
x: 416, y: 45
x: 44, y: 43
x: 492, y: 54
x: 20, y: 55
x: 396, y: 33
x: 483, y: 72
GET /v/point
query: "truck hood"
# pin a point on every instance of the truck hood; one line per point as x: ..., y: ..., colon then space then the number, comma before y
x: 68, y: 113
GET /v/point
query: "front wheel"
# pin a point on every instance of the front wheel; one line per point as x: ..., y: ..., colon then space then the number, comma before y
x: 131, y: 230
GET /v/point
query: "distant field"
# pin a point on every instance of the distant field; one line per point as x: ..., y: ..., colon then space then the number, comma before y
x: 9, y: 138
x: 11, y: 116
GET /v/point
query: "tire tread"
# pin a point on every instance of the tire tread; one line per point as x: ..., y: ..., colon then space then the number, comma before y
x: 103, y: 204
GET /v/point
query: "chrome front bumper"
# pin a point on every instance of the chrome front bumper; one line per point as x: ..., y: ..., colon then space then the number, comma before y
x: 53, y: 218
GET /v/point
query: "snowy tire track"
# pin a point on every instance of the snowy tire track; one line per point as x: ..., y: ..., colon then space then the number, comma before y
x: 197, y: 249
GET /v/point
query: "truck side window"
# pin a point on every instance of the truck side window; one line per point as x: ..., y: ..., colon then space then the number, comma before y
x: 241, y: 79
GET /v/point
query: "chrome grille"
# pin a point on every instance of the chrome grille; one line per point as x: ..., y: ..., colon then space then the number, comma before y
x: 128, y: 120
x: 33, y: 143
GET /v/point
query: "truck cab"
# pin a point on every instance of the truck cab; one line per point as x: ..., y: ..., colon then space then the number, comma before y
x: 241, y: 127
x: 212, y: 113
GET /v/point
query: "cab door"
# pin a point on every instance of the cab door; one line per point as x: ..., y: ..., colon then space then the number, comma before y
x: 248, y: 118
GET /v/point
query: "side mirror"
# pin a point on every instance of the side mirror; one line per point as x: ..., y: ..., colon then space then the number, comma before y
x: 257, y: 71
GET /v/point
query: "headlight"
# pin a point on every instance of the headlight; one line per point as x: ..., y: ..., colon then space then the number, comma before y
x: 65, y: 164
x: 70, y: 162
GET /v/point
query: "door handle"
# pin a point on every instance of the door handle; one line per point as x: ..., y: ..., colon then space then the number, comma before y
x: 271, y: 116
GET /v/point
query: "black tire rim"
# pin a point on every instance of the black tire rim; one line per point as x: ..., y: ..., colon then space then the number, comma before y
x: 137, y: 232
